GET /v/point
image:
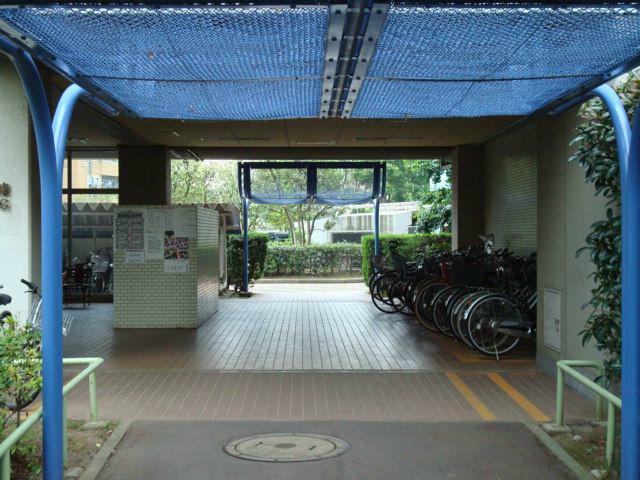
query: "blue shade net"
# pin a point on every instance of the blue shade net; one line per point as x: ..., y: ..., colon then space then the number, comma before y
x: 344, y: 186
x: 341, y: 185
x: 464, y: 61
x: 278, y: 186
x: 190, y: 62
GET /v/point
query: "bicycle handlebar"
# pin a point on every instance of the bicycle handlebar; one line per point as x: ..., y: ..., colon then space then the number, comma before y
x: 31, y: 286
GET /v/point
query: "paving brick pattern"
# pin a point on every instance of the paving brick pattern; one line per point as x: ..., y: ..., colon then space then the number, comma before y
x: 300, y: 352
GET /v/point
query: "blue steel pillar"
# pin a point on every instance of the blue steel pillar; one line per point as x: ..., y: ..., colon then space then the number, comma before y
x: 629, y: 157
x: 245, y: 244
x: 376, y: 227
x: 630, y: 187
x: 51, y: 142
x: 51, y: 250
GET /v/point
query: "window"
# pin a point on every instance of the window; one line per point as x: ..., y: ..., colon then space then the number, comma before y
x: 90, y: 194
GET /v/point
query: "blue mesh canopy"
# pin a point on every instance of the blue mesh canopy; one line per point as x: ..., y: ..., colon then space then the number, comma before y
x: 190, y: 62
x: 237, y: 62
x: 465, y: 61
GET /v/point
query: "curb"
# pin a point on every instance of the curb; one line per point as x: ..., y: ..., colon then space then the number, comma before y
x: 99, y: 461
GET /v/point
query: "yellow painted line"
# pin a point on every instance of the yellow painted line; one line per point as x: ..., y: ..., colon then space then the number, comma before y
x: 471, y: 397
x: 519, y: 398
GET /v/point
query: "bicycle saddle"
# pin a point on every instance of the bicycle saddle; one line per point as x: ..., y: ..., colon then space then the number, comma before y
x: 5, y: 299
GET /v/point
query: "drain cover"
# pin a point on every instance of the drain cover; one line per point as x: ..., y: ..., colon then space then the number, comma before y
x: 286, y: 447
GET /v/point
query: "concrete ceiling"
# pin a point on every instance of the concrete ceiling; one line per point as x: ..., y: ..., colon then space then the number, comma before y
x: 91, y: 128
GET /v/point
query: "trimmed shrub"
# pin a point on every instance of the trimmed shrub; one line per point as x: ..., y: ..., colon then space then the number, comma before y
x: 314, y: 259
x: 411, y: 246
x: 257, y: 257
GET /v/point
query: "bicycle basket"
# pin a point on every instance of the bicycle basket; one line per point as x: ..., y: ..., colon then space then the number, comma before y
x: 399, y: 262
x: 463, y: 273
x: 35, y: 318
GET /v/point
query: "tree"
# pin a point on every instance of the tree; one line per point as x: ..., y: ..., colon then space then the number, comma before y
x: 435, y: 213
x: 191, y: 182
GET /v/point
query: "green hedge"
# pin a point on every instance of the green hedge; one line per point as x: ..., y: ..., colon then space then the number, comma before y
x: 314, y: 259
x: 257, y: 257
x: 412, y: 246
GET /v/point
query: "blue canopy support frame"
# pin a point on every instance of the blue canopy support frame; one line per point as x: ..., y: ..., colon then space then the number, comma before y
x: 50, y: 141
x: 311, y: 194
x: 628, y: 146
x: 458, y: 70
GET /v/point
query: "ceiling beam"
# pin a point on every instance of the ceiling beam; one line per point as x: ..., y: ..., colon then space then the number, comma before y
x: 331, y: 153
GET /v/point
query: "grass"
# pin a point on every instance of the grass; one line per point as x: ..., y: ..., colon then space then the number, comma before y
x: 586, y: 443
x: 26, y: 459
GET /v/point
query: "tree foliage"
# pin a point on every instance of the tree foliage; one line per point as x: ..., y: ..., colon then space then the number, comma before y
x: 435, y: 213
x: 407, y: 180
x: 597, y: 154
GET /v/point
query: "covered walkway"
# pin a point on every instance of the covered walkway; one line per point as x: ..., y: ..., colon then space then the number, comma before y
x: 305, y: 352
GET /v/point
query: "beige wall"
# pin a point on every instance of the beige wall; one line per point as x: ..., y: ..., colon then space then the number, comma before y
x: 19, y: 241
x: 467, y: 190
x: 549, y: 208
x: 567, y: 207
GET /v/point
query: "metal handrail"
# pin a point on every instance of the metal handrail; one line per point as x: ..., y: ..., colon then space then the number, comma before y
x: 32, y: 419
x: 613, y: 402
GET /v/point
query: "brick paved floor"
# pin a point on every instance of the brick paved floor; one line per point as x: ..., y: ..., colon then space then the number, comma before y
x: 303, y: 352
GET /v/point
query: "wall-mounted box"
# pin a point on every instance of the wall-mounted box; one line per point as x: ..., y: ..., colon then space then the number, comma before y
x: 552, y: 319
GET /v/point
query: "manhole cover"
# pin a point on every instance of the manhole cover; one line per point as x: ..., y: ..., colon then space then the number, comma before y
x: 286, y: 447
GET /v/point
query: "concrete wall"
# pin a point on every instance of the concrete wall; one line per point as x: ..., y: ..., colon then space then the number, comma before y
x: 554, y: 220
x: 144, y: 175
x: 567, y: 206
x: 467, y: 194
x: 18, y: 239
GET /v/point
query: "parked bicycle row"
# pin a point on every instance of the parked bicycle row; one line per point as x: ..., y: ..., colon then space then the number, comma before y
x: 482, y: 297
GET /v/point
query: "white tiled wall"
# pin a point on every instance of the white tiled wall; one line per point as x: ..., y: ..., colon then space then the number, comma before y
x: 146, y: 297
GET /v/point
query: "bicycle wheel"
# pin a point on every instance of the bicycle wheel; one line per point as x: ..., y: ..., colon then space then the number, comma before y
x: 381, y: 293
x: 482, y: 322
x: 460, y: 316
x: 398, y: 295
x: 424, y: 312
x: 451, y: 305
x: 439, y: 306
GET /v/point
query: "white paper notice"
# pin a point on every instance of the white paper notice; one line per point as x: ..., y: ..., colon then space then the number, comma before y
x: 176, y: 265
x: 154, y: 246
x: 156, y: 220
x: 134, y: 256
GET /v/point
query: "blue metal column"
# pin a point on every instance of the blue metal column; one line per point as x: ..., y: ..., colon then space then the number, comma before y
x: 61, y: 120
x: 245, y: 245
x: 629, y: 158
x: 376, y: 226
x: 51, y: 250
x: 630, y: 186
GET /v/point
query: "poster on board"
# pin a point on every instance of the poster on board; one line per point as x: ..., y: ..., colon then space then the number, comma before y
x: 156, y: 221
x: 154, y: 246
x: 176, y: 253
x: 129, y: 235
x: 129, y: 230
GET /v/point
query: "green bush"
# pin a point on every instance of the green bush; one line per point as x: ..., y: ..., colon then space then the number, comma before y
x: 412, y: 246
x: 20, y: 381
x: 314, y: 259
x: 257, y: 257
